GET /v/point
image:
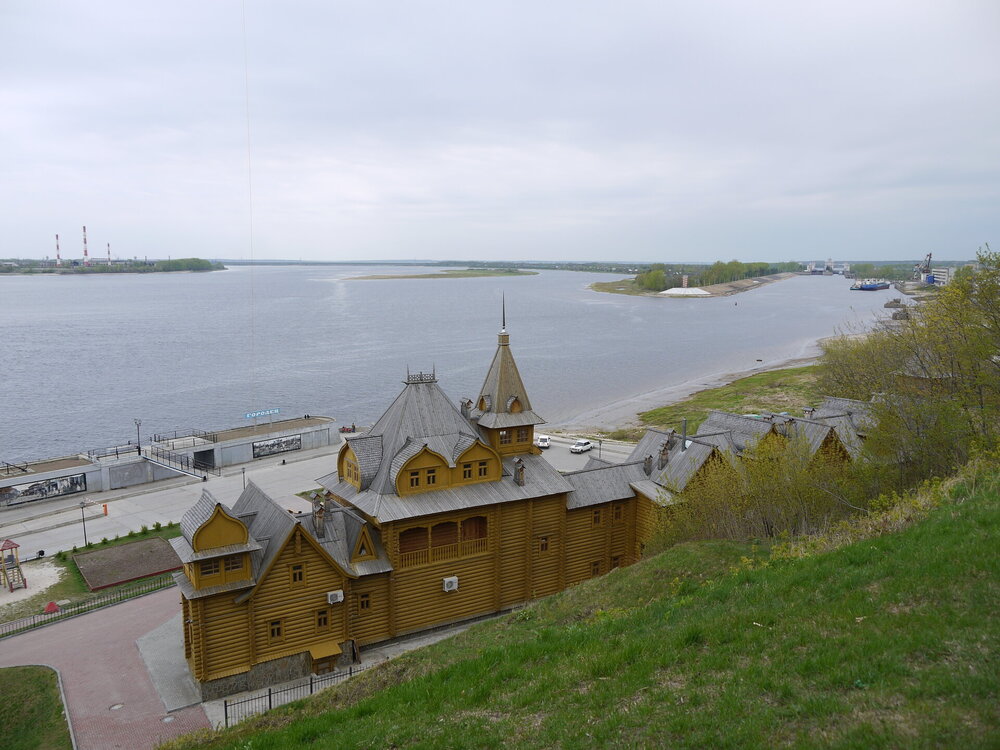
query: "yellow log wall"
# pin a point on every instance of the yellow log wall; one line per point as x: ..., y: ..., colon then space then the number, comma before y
x: 276, y: 598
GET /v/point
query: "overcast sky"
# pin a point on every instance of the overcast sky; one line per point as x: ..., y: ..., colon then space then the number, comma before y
x: 651, y: 131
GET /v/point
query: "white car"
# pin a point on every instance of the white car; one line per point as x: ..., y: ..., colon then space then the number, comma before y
x: 580, y: 446
x: 543, y: 441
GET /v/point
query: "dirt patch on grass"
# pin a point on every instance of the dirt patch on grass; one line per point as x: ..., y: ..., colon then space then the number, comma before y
x: 126, y: 562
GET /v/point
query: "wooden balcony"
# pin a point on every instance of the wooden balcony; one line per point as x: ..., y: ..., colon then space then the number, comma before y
x: 444, y: 552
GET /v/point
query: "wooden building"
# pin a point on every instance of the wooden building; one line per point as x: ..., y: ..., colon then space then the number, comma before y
x: 438, y: 513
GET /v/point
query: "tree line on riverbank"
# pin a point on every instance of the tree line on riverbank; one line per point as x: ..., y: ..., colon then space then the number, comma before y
x: 29, y: 266
x: 662, y: 276
x: 932, y: 383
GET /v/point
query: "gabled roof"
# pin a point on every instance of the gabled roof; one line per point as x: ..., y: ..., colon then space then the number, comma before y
x: 269, y: 524
x: 501, y: 389
x: 540, y: 480
x: 193, y: 519
x: 341, y: 528
x: 603, y: 484
x: 859, y: 412
x: 682, y: 461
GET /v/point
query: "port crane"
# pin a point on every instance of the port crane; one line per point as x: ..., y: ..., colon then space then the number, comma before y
x: 921, y: 270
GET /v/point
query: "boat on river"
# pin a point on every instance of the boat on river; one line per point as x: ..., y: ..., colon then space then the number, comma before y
x: 870, y: 285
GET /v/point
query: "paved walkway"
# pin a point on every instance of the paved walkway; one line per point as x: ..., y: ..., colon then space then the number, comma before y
x: 111, y: 699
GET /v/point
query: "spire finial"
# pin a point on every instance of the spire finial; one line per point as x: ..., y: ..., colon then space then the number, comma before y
x: 503, y: 313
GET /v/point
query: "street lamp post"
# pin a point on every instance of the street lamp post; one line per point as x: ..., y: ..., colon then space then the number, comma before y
x: 138, y: 445
x: 83, y: 520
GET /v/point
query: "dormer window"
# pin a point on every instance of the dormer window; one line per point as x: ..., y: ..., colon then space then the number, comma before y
x: 210, y: 567
x: 514, y: 405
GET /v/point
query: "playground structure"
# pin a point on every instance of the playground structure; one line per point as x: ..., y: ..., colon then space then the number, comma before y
x: 11, y: 575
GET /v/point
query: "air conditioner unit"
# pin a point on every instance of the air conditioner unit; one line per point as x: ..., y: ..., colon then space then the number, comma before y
x: 334, y: 597
x: 450, y: 583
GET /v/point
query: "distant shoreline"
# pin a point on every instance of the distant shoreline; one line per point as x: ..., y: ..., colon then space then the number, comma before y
x: 712, y: 290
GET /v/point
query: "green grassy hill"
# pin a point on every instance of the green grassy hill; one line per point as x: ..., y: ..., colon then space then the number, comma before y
x: 883, y: 634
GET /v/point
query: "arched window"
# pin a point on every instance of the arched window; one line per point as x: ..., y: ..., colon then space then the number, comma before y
x: 413, y: 540
x: 444, y: 533
x: 474, y: 528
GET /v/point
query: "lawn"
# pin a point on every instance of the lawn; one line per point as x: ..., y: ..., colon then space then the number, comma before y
x: 31, y: 712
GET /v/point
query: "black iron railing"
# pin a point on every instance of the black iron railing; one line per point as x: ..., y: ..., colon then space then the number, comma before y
x: 178, y: 434
x: 236, y: 711
x: 179, y: 461
x: 117, y: 451
x: 88, y: 605
x: 14, y: 468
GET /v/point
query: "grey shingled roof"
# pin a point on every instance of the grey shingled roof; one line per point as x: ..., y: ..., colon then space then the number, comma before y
x: 271, y: 525
x: 745, y: 431
x: 190, y: 592
x: 541, y: 479
x: 683, y: 462
x: 502, y: 385
x: 653, y: 491
x: 342, y: 527
x: 198, y: 513
x: 847, y: 431
x: 421, y: 415
x: 812, y: 431
x: 859, y: 412
x: 603, y: 484
x: 187, y: 554
x: 368, y: 450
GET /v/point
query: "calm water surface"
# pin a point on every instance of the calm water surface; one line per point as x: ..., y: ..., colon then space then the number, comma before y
x: 85, y: 355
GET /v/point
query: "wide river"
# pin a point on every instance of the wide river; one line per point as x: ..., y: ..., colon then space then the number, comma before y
x: 86, y: 355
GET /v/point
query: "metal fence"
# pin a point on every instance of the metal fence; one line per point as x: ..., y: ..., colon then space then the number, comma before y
x: 180, y: 461
x: 236, y: 711
x: 129, y: 449
x: 88, y: 605
x: 177, y: 434
x: 13, y: 468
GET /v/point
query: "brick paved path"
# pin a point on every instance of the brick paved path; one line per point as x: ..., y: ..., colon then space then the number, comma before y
x: 101, y: 667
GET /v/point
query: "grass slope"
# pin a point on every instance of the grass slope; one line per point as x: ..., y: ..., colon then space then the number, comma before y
x: 31, y: 712
x: 890, y: 641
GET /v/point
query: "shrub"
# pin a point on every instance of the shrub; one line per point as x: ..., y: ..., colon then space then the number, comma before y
x: 157, y: 526
x: 144, y: 530
x: 104, y: 540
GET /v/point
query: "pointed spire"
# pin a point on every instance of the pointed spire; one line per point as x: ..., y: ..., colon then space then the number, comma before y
x: 503, y: 338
